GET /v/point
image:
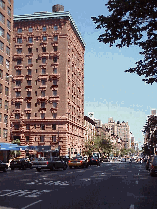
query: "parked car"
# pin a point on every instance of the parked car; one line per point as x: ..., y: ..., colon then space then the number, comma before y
x: 123, y: 160
x: 106, y: 159
x: 65, y: 159
x: 153, y: 166
x: 3, y: 166
x: 78, y: 162
x: 50, y: 163
x: 20, y: 163
x: 93, y: 161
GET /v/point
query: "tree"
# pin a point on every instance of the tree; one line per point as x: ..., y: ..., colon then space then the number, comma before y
x: 132, y: 22
x: 106, y: 146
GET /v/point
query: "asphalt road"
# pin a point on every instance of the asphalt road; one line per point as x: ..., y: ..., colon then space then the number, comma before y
x: 110, y: 186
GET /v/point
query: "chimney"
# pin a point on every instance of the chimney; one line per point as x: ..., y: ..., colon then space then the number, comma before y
x: 58, y: 8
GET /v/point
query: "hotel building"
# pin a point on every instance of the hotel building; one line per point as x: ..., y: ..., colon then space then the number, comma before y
x: 47, y: 104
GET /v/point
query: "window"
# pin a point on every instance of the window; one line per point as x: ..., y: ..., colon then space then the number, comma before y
x: 1, y: 45
x: 55, y: 70
x: 36, y: 104
x: 19, y: 30
x: 8, y: 37
x: 53, y: 126
x: 7, y: 77
x: 1, y: 60
x: 43, y: 60
x: 18, y: 72
x: 54, y: 92
x: 7, y: 50
x: 19, y: 50
x: 5, y: 118
x: 36, y: 49
x: 43, y: 71
x: 55, y: 27
x: 43, y: 49
x: 29, y: 61
x: 55, y: 48
x: 28, y: 105
x: 17, y: 115
x: 2, y: 4
x: 29, y: 82
x: 1, y: 88
x: 36, y: 70
x: 28, y: 115
x: 44, y: 38
x: 54, y: 138
x: 36, y: 82
x: 19, y: 61
x: 1, y: 73
x: 7, y: 64
x: 35, y: 93
x: 54, y: 115
x: 42, y: 138
x: 29, y: 72
x: 16, y: 126
x: 35, y: 114
x: 19, y: 40
x: 43, y: 82
x: 1, y: 32
x: 54, y: 104
x: 18, y: 83
x: 2, y: 18
x: 9, y: 1
x: 0, y: 103
x: 55, y: 59
x: 29, y: 50
x: 43, y: 93
x: 9, y: 11
x: 17, y: 105
x: 55, y: 38
x: 30, y: 39
x: 27, y: 138
x: 42, y: 127
x: 30, y: 29
x: 0, y: 117
x: 42, y: 104
x: 9, y: 24
x: 27, y: 126
x: 42, y: 115
x: 28, y: 93
x: 18, y: 93
x: 5, y: 133
x: 44, y: 28
x: 36, y: 60
x: 54, y: 81
x: 6, y: 91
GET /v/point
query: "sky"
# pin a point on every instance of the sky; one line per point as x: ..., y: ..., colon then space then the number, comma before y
x: 109, y: 91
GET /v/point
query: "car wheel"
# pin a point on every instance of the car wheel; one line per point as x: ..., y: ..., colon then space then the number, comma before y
x: 52, y: 168
x: 4, y: 170
x: 70, y: 167
x: 38, y: 169
x: 87, y: 165
x: 12, y: 168
x: 65, y: 167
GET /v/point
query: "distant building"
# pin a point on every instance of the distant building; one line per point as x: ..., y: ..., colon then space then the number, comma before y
x: 47, y: 106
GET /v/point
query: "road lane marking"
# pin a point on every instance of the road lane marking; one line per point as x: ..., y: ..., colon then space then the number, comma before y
x: 32, y: 204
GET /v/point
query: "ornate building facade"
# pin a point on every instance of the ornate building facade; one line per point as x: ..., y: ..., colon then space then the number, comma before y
x: 6, y: 31
x: 47, y: 106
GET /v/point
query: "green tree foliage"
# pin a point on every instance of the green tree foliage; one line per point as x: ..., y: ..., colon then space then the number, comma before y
x: 106, y: 146
x: 133, y: 22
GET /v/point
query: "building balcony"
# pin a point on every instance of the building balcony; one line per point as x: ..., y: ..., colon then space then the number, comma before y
x: 17, y: 88
x: 18, y: 66
x: 18, y: 77
x: 43, y: 76
x: 28, y: 77
x: 41, y: 99
x: 28, y: 86
x: 28, y: 110
x: 52, y: 76
x: 30, y: 44
x: 28, y: 98
x: 42, y: 86
x: 43, y: 65
x: 17, y: 99
x: 44, y: 54
x: 54, y: 54
x: 54, y: 99
x: 18, y: 56
x: 42, y: 109
x: 29, y: 55
x: 55, y: 64
x: 19, y: 45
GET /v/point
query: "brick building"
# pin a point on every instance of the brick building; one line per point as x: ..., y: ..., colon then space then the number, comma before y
x: 6, y: 30
x: 47, y: 106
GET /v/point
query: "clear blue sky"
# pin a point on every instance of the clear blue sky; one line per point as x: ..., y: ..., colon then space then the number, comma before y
x: 109, y: 92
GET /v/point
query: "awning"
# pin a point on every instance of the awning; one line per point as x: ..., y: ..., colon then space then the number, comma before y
x: 8, y: 146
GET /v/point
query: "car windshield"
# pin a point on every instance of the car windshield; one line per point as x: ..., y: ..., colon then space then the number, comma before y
x: 77, y: 158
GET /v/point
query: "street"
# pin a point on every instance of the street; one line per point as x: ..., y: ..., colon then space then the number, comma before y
x: 112, y: 185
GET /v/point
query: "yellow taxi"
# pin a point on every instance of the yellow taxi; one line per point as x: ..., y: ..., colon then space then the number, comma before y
x: 78, y: 162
